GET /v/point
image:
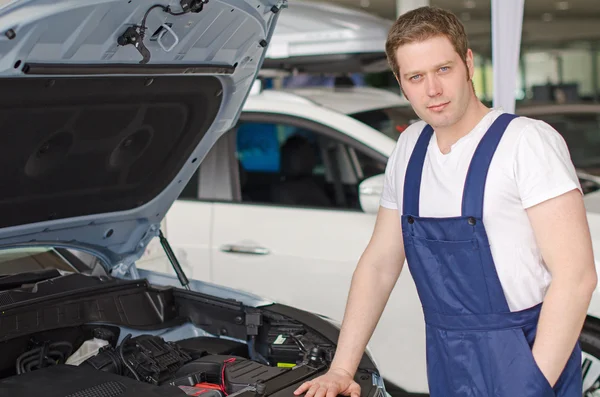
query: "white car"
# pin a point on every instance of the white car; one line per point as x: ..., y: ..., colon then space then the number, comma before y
x: 285, y: 204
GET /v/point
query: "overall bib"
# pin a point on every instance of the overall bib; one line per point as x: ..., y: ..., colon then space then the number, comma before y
x: 476, y: 347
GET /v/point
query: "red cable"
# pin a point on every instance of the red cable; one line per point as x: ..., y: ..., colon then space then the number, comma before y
x: 223, y: 389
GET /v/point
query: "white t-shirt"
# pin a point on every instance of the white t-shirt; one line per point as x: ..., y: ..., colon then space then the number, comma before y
x: 531, y: 164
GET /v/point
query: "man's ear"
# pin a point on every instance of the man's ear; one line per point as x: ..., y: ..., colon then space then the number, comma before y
x: 470, y: 64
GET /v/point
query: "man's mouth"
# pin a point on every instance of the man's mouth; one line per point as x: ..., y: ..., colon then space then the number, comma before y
x: 438, y: 107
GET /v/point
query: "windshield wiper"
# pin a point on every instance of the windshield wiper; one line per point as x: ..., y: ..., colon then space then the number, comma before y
x: 16, y: 280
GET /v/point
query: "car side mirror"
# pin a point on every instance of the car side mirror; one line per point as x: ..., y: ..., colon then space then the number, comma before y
x: 369, y: 193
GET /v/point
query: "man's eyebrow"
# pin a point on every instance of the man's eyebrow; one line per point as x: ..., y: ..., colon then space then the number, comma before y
x: 447, y: 63
x: 439, y: 65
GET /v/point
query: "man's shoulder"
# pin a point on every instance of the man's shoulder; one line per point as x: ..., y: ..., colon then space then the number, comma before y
x: 523, y: 130
x: 524, y: 124
x: 531, y: 134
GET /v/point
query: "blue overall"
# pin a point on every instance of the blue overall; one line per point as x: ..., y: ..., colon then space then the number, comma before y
x: 476, y: 347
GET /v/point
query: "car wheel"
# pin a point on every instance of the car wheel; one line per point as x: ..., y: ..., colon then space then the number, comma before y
x: 590, y: 360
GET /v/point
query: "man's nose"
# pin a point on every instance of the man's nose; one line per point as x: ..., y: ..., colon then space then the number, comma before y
x: 433, y: 85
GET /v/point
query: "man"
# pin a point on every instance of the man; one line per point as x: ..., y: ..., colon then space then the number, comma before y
x: 487, y: 210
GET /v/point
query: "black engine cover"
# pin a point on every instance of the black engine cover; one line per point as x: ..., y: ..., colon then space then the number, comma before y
x: 153, y: 360
x: 71, y: 381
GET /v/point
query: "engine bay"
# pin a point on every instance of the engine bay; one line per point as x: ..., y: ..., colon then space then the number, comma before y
x: 198, y: 365
x: 207, y: 366
x: 135, y: 339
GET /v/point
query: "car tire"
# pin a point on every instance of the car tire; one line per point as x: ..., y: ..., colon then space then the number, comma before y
x: 590, y: 363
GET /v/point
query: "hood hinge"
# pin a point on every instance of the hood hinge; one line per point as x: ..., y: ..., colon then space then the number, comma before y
x: 125, y: 269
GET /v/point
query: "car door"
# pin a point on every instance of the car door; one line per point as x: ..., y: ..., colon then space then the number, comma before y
x: 296, y: 232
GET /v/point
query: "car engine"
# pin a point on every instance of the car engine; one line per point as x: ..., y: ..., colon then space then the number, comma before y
x: 148, y: 365
x: 107, y: 337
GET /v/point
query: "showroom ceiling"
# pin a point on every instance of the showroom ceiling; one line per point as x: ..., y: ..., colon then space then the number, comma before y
x: 547, y: 23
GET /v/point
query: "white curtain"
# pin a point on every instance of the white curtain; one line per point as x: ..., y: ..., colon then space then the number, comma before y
x: 507, y: 25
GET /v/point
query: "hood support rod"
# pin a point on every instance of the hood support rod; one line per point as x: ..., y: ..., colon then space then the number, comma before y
x: 174, y: 262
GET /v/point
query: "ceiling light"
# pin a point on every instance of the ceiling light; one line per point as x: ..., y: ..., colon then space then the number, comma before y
x: 365, y: 3
x: 470, y: 4
x: 547, y: 17
x: 562, y: 5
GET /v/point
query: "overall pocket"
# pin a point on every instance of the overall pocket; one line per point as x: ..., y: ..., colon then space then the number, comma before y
x: 495, y: 363
x: 499, y: 363
x: 538, y: 375
x: 451, y: 272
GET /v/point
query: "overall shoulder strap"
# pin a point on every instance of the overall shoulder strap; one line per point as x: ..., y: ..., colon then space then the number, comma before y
x: 414, y: 170
x: 474, y: 190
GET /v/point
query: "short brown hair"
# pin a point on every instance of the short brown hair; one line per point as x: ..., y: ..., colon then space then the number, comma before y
x: 421, y: 24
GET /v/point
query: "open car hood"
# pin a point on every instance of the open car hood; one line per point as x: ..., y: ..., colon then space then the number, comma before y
x: 100, y: 135
x: 320, y: 37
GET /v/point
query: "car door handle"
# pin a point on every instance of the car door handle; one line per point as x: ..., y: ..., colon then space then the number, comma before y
x: 244, y: 249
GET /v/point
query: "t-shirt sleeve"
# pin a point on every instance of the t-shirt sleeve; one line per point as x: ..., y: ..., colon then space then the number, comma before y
x: 543, y: 165
x: 389, y: 197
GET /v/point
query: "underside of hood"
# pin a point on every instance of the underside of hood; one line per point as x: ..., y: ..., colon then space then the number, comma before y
x: 109, y: 107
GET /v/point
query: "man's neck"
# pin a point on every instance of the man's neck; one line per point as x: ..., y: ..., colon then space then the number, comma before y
x: 448, y: 136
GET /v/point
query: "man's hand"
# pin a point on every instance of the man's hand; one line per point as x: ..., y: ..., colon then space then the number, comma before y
x: 336, y: 381
x: 372, y: 282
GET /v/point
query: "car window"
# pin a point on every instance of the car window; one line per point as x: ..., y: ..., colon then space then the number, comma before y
x: 285, y: 164
x: 369, y: 166
x: 289, y: 165
x: 390, y: 121
x: 258, y: 145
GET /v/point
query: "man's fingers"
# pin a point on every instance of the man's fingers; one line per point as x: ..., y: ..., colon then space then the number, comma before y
x: 327, y: 386
x: 355, y: 390
x: 304, y: 387
x: 322, y: 391
x: 313, y: 389
x: 332, y: 392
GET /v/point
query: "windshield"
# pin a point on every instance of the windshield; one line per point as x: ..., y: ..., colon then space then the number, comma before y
x: 581, y: 131
x: 23, y: 260
x: 37, y: 259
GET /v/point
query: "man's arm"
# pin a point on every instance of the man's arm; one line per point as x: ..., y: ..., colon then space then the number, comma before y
x: 562, y: 232
x: 374, y: 278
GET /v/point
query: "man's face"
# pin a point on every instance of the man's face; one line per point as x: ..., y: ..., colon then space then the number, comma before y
x: 434, y: 79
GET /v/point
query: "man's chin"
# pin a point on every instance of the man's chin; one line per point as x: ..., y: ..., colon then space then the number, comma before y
x: 437, y: 121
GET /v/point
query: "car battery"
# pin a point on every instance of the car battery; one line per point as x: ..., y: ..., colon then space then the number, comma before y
x: 284, y: 350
